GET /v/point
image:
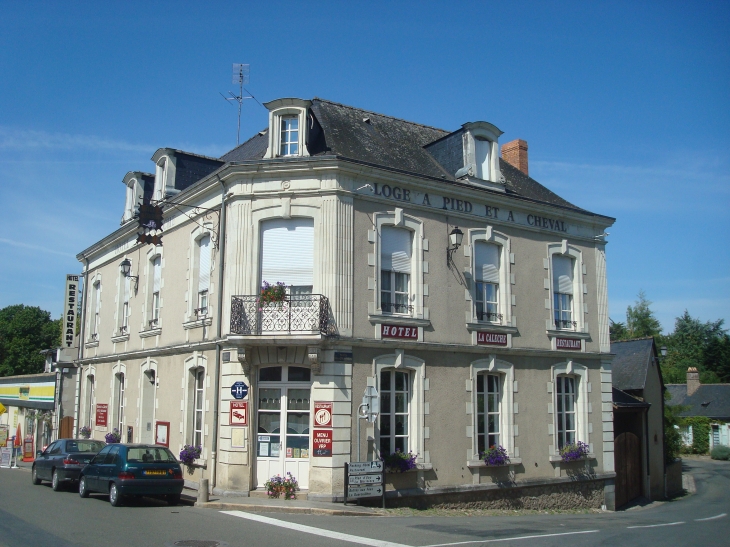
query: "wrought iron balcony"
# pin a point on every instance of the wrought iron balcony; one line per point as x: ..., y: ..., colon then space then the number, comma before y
x: 396, y: 308
x: 565, y: 324
x: 489, y: 316
x: 295, y: 314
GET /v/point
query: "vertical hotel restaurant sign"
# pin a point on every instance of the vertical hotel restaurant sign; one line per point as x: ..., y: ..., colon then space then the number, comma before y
x: 70, y: 304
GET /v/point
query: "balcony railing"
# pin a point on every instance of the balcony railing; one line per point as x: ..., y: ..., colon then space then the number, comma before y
x: 565, y: 324
x: 489, y: 316
x: 396, y: 308
x: 296, y: 314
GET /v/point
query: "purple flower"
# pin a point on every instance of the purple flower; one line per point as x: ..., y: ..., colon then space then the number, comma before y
x: 399, y: 462
x: 190, y: 453
x: 574, y: 451
x: 113, y: 436
x: 496, y: 455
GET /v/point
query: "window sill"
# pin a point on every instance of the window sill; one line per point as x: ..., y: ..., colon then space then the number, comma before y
x: 120, y: 337
x: 559, y: 459
x: 151, y: 332
x: 92, y: 344
x: 407, y: 320
x: 480, y: 326
x: 473, y: 464
x: 197, y: 323
x: 573, y: 333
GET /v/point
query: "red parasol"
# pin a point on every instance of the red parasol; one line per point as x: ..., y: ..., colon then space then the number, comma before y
x: 18, y: 440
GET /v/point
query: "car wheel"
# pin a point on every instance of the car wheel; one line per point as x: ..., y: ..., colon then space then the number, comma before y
x: 34, y: 476
x: 115, y: 498
x: 55, y: 481
x: 173, y: 499
x: 83, y: 492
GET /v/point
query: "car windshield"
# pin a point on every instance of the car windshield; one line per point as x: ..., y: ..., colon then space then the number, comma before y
x: 84, y: 446
x: 150, y: 454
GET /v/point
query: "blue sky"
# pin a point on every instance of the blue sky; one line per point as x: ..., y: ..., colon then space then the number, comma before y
x: 625, y: 106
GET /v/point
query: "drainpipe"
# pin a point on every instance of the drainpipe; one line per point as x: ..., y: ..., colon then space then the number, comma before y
x: 77, y: 410
x: 218, y: 330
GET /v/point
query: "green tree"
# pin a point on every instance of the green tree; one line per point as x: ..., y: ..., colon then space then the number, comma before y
x: 640, y: 320
x: 696, y: 344
x: 24, y: 332
x: 617, y: 331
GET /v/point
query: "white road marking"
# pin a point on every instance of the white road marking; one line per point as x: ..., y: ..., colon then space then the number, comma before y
x: 712, y: 518
x: 512, y: 539
x: 315, y: 531
x: 657, y: 525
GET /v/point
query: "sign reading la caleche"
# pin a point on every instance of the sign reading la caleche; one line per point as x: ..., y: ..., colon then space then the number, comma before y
x: 452, y: 204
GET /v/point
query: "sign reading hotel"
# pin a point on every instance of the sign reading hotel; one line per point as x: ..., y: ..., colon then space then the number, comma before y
x: 491, y: 339
x: 322, y: 443
x: 239, y: 413
x: 322, y: 414
x: 572, y: 344
x: 70, y: 303
x: 397, y: 331
x: 102, y: 412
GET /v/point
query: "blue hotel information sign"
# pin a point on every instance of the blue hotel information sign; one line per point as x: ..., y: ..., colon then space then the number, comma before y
x: 239, y: 390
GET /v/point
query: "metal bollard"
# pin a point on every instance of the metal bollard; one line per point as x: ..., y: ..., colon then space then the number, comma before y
x: 203, y: 491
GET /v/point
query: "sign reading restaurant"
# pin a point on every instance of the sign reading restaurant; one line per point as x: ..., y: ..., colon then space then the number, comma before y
x: 491, y: 339
x: 460, y: 205
x: 568, y: 343
x: 70, y: 302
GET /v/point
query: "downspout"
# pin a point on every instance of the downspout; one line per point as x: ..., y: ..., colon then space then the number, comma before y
x: 77, y: 410
x: 218, y: 331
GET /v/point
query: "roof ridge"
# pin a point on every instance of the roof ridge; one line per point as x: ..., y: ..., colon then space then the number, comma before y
x: 381, y: 114
x: 633, y: 339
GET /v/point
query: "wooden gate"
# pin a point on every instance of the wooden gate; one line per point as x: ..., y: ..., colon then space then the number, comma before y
x: 627, y: 448
x: 66, y: 429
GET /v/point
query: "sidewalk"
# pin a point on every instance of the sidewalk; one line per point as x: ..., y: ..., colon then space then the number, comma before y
x: 264, y: 505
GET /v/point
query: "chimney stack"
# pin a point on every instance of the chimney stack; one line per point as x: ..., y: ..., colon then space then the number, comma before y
x: 515, y: 153
x: 693, y: 380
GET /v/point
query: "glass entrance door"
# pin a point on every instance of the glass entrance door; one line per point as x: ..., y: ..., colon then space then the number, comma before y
x: 283, y: 424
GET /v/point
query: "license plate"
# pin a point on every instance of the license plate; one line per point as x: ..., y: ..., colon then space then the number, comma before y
x: 155, y: 472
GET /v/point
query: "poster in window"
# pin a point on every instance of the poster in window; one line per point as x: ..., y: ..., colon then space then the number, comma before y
x: 162, y: 433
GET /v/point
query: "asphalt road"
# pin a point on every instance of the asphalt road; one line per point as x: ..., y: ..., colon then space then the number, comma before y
x: 37, y: 516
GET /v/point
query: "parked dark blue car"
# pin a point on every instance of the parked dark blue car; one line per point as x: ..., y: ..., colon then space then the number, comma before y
x: 63, y: 460
x: 133, y: 469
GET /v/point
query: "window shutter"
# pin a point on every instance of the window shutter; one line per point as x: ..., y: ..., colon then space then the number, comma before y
x: 562, y: 274
x: 204, y: 264
x: 288, y: 251
x: 395, y: 249
x: 486, y: 262
x: 156, y: 275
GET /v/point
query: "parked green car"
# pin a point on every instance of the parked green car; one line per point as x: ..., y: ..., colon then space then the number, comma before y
x: 133, y: 469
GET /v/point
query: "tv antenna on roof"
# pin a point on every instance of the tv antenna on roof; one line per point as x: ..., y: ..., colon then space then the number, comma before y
x: 240, y: 77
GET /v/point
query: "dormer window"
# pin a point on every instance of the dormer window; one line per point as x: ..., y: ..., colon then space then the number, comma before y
x: 165, y: 171
x: 287, y: 128
x: 483, y: 157
x: 289, y: 136
x: 480, y: 152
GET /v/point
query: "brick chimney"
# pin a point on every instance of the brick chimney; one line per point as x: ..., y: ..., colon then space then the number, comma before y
x: 693, y: 380
x: 515, y: 153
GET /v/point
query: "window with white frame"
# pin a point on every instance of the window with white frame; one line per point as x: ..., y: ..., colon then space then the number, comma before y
x: 488, y: 411
x: 289, y: 136
x: 482, y: 148
x: 492, y: 385
x: 156, y: 282
x: 97, y: 308
x: 287, y: 254
x: 119, y: 401
x: 486, y: 282
x: 197, y: 409
x: 563, y: 275
x: 570, y: 404
x: 565, y: 399
x: 90, y: 400
x: 203, y: 276
x: 124, y: 308
x: 396, y: 250
x: 395, y: 400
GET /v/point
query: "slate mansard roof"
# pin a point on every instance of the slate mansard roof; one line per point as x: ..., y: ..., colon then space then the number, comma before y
x: 631, y: 363
x: 383, y: 141
x: 710, y: 400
